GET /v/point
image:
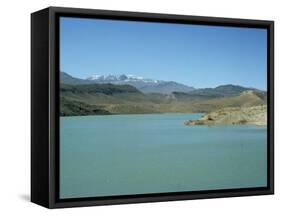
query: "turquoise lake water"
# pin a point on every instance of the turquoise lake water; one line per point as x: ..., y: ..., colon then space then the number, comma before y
x: 152, y: 153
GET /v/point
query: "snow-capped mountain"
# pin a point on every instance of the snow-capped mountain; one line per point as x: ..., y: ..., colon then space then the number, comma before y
x: 122, y: 78
x: 145, y: 85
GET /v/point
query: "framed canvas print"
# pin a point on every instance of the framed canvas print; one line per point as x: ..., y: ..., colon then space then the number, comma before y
x: 138, y: 107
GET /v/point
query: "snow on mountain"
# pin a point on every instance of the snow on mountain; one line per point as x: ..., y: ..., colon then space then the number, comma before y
x: 122, y: 77
x: 143, y: 84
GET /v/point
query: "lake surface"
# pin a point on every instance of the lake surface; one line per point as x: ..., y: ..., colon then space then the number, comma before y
x: 152, y: 153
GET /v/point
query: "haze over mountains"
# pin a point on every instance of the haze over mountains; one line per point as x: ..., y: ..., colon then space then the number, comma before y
x: 136, y: 95
x: 146, y: 85
x: 143, y: 84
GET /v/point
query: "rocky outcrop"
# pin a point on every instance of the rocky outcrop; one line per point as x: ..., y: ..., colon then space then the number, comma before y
x: 256, y: 115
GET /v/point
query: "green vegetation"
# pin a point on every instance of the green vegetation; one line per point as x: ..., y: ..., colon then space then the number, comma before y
x: 220, y: 91
x: 76, y: 108
x: 225, y: 104
x: 101, y: 99
x: 107, y: 89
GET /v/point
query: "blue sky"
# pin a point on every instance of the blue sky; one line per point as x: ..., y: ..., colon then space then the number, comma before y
x: 195, y: 55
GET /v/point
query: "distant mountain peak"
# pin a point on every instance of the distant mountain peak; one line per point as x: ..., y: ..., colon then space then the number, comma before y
x: 121, y: 77
x: 95, y: 77
x: 144, y: 85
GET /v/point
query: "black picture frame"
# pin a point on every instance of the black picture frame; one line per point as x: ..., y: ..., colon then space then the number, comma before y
x: 45, y: 106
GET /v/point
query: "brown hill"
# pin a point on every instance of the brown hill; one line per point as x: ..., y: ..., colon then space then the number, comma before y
x: 256, y: 115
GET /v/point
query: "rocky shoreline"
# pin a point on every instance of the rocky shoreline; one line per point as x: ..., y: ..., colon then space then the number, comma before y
x: 256, y: 115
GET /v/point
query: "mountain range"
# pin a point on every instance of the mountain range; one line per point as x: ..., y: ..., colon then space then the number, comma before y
x: 107, y: 98
x: 146, y: 85
x: 142, y: 84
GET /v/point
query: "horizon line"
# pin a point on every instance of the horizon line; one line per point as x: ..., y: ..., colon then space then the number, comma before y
x: 188, y: 85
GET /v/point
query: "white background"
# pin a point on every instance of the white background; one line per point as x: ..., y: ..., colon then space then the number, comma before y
x: 15, y: 107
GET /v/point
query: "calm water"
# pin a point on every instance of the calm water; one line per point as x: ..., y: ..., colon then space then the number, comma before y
x: 135, y: 154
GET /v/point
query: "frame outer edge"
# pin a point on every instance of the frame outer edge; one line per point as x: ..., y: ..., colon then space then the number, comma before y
x: 39, y: 108
x: 271, y: 111
x: 52, y: 103
x: 52, y: 110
